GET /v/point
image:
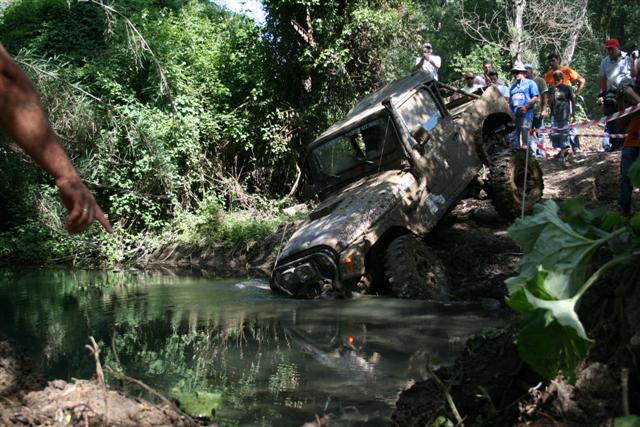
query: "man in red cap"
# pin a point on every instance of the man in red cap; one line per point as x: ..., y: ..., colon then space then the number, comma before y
x: 615, y: 87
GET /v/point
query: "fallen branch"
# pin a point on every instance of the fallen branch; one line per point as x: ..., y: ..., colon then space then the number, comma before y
x: 155, y: 393
x: 95, y: 350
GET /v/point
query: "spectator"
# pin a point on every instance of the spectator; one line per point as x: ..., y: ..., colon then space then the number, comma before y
x: 615, y: 88
x: 427, y: 61
x: 485, y: 79
x: 495, y: 79
x: 630, y: 152
x: 562, y: 105
x: 25, y: 122
x: 523, y: 95
x: 470, y: 85
x: 570, y: 76
x: 542, y: 89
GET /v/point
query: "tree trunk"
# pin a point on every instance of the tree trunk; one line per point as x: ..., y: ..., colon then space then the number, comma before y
x: 515, y: 12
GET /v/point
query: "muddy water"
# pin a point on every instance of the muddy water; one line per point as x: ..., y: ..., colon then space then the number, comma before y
x: 229, y: 347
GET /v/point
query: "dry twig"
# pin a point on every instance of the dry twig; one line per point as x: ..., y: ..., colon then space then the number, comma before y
x: 155, y: 393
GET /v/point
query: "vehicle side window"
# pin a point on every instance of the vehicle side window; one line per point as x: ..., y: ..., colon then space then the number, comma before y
x: 421, y: 114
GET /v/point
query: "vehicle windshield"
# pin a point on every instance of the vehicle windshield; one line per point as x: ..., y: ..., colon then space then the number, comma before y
x: 354, y: 152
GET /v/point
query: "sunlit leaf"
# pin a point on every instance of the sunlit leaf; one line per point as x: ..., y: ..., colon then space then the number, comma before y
x: 198, y: 403
x: 551, y: 244
x: 551, y: 338
x: 627, y: 421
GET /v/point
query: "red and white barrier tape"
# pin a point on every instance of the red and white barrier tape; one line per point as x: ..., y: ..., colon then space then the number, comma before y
x: 611, y: 135
x: 601, y: 120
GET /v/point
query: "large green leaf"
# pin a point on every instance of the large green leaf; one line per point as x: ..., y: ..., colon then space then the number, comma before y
x: 552, y: 245
x: 551, y: 338
x: 552, y: 277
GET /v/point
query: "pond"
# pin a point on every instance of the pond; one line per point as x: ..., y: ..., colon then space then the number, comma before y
x: 231, y: 348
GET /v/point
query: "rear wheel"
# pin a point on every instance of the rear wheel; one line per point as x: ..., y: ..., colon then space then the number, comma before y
x: 414, y: 271
x: 507, y: 185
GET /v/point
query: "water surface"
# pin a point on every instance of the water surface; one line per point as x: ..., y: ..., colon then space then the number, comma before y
x: 231, y: 346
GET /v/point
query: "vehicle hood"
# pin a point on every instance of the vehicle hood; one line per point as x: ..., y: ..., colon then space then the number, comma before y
x: 343, y: 217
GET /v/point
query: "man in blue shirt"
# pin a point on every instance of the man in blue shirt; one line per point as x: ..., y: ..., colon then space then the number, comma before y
x: 523, y: 96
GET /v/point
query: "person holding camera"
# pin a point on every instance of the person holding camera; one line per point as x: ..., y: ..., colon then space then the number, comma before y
x: 427, y: 61
x: 615, y: 88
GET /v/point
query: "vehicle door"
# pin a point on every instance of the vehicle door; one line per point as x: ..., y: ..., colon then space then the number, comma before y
x: 446, y: 159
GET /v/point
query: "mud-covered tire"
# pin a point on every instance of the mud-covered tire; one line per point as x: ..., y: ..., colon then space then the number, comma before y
x: 414, y: 271
x: 506, y: 183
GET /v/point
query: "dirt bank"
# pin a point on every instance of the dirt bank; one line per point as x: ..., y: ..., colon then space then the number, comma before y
x: 26, y: 400
x: 489, y: 385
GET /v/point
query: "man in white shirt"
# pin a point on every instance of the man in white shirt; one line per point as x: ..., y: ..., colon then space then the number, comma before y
x: 428, y: 61
x: 616, y: 87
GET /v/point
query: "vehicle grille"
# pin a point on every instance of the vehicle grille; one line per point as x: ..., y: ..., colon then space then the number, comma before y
x: 307, y: 275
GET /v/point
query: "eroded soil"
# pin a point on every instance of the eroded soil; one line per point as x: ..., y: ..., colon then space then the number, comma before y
x: 489, y: 385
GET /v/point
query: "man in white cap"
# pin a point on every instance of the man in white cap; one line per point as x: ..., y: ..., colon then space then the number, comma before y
x: 427, y: 61
x: 523, y: 96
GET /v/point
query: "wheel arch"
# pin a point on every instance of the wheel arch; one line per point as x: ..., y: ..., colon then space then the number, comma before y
x: 495, y: 127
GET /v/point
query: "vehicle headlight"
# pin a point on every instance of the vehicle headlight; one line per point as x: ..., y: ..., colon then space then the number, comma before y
x: 306, y: 273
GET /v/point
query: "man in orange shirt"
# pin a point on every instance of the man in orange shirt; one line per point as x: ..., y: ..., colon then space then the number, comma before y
x: 570, y: 76
x: 630, y: 152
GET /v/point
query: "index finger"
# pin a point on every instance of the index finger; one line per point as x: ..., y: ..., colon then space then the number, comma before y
x: 102, y: 219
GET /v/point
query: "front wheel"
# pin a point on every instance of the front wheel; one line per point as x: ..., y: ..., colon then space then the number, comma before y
x: 414, y: 271
x: 507, y: 184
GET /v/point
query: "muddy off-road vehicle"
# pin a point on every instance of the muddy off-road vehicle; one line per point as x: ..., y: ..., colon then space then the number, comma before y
x: 386, y: 174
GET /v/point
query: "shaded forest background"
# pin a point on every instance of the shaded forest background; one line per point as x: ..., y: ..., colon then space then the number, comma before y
x: 189, y: 122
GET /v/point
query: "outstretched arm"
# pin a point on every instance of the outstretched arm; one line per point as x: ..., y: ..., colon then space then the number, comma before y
x: 23, y: 119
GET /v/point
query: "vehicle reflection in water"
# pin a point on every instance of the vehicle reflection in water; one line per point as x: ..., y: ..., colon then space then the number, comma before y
x: 251, y: 357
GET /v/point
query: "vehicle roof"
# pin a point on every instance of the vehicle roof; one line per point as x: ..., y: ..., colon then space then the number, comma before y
x: 397, y: 91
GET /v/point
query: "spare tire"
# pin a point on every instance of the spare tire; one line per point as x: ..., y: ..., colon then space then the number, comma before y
x: 414, y: 271
x: 506, y: 183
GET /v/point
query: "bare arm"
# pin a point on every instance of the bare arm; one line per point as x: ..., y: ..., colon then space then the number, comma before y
x: 603, y: 84
x: 436, y: 61
x: 24, y: 120
x: 581, y: 83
